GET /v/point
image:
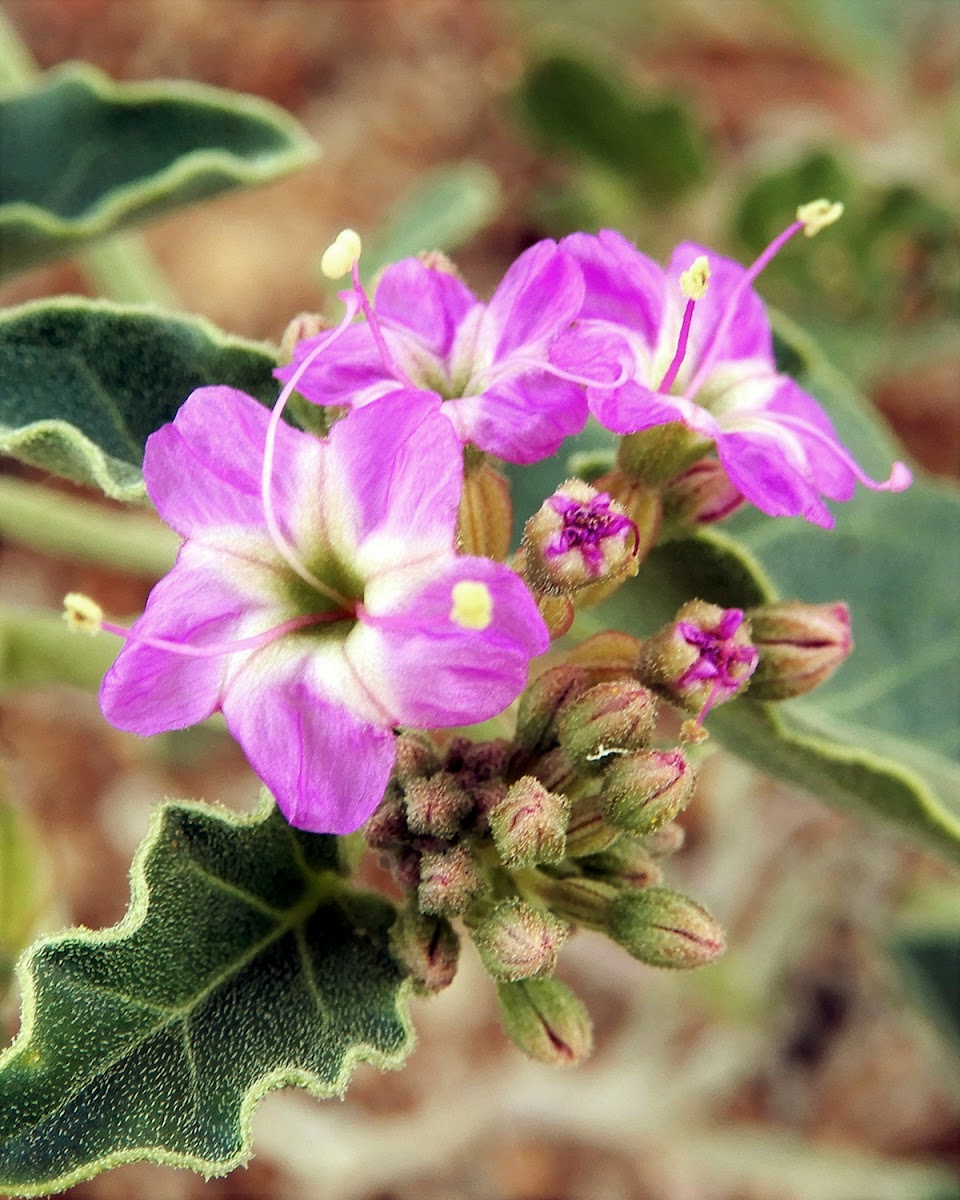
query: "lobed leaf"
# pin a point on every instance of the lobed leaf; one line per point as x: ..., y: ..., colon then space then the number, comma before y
x: 84, y: 156
x: 83, y: 383
x: 245, y: 963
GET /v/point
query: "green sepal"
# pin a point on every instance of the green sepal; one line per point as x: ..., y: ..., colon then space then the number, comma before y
x: 84, y: 156
x: 83, y: 383
x: 246, y: 962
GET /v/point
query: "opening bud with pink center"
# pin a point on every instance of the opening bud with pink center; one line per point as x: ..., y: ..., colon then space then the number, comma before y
x: 702, y: 658
x: 800, y: 646
x: 427, y: 948
x: 450, y: 878
x: 546, y: 1021
x: 529, y: 824
x: 579, y: 537
x: 517, y: 941
x: 643, y: 791
x: 611, y: 718
x: 664, y: 928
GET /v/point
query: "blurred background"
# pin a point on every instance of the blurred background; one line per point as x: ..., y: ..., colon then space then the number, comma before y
x: 801, y: 1065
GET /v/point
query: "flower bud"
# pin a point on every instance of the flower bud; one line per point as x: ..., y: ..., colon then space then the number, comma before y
x: 625, y: 864
x: 578, y: 899
x: 702, y: 658
x: 665, y: 841
x: 546, y: 1020
x: 588, y: 830
x: 642, y: 504
x: 529, y: 824
x: 449, y: 879
x: 643, y: 791
x: 388, y: 825
x: 485, y: 521
x: 701, y: 495
x: 518, y: 941
x: 578, y: 537
x: 416, y: 757
x: 610, y: 718
x: 537, y: 711
x: 436, y: 806
x: 427, y: 948
x: 663, y: 928
x: 800, y: 645
x: 555, y: 770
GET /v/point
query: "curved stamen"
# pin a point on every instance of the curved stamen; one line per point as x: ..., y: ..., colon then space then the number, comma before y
x: 900, y: 476
x: 282, y: 546
x: 372, y: 320
x: 510, y: 367
x: 670, y: 375
x: 217, y: 648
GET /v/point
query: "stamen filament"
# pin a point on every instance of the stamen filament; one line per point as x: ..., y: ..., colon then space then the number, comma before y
x: 510, y: 367
x: 670, y: 375
x: 217, y: 648
x: 372, y: 320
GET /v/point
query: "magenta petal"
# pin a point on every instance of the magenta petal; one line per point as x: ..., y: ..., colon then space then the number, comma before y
x: 538, y: 297
x: 634, y: 407
x: 326, y: 769
x: 621, y: 284
x: 348, y: 372
x: 520, y: 420
x: 423, y: 303
x: 758, y: 467
x: 429, y: 670
x: 202, y: 601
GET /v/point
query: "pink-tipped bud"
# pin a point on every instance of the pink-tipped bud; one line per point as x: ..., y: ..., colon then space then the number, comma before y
x: 643, y: 791
x: 518, y: 941
x: 428, y: 950
x: 546, y: 1021
x: 529, y: 824
x: 704, y: 657
x: 663, y: 928
x: 539, y: 704
x: 449, y: 879
x: 436, y: 806
x: 610, y: 718
x: 701, y: 495
x: 578, y: 537
x: 800, y: 645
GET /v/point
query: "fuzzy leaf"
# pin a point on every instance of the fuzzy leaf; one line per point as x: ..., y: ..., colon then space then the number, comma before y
x: 245, y: 963
x: 84, y: 156
x: 83, y: 383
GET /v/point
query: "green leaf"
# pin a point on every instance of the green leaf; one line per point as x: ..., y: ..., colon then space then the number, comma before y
x: 84, y: 156
x: 574, y: 105
x: 84, y: 383
x: 245, y: 963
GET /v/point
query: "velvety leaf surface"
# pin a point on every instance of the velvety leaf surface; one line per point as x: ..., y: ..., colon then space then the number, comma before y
x: 84, y: 156
x: 245, y: 963
x: 83, y: 383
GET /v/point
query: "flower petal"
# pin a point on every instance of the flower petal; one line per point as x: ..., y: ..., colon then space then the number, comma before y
x: 621, y: 284
x: 428, y: 669
x: 772, y: 474
x: 630, y: 408
x: 327, y: 769
x: 522, y: 419
x: 537, y: 299
x: 423, y: 303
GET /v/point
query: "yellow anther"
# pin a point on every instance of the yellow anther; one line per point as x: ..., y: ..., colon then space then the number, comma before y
x: 472, y: 605
x: 818, y: 214
x: 82, y: 613
x: 341, y: 254
x: 694, y: 280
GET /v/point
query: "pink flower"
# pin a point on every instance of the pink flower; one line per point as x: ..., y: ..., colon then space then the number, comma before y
x: 703, y: 355
x: 489, y: 363
x: 318, y: 600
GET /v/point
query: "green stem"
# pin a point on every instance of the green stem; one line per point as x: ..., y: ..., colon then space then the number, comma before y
x: 119, y: 267
x: 38, y: 648
x: 82, y: 531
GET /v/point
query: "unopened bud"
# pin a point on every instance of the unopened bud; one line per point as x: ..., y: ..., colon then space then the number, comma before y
x: 800, y: 645
x: 485, y: 520
x: 610, y: 718
x: 702, y: 658
x: 665, y: 841
x: 640, y: 501
x: 643, y: 791
x: 578, y: 899
x: 537, y: 711
x: 436, y: 806
x: 701, y: 495
x: 388, y: 825
x: 302, y: 328
x: 449, y: 879
x: 529, y: 824
x: 626, y: 864
x: 589, y: 831
x: 663, y: 928
x: 578, y: 537
x: 427, y: 948
x: 518, y: 941
x: 555, y: 770
x: 416, y: 757
x: 546, y: 1020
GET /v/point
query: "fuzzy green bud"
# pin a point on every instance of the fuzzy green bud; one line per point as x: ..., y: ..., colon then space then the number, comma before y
x: 610, y: 718
x: 588, y: 830
x: 436, y: 806
x: 546, y: 1020
x: 643, y: 791
x: 800, y: 645
x: 449, y: 879
x: 427, y: 948
x: 537, y: 711
x: 517, y: 941
x: 529, y: 824
x: 625, y: 864
x: 578, y: 899
x: 663, y: 928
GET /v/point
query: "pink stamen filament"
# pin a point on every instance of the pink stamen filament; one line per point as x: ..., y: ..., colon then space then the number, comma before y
x: 367, y: 309
x: 233, y: 647
x: 514, y: 364
x: 670, y: 375
x: 723, y: 325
